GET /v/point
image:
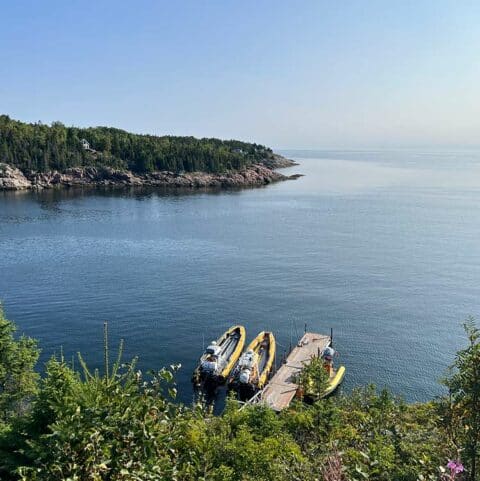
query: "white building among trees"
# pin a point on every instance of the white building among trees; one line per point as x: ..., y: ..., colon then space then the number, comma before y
x: 85, y: 144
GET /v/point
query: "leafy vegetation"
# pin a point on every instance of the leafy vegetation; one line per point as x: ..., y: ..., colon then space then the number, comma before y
x: 18, y: 380
x: 121, y: 426
x: 462, y: 407
x: 39, y: 147
x: 313, y: 378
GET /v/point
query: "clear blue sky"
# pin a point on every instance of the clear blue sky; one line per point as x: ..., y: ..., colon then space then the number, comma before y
x: 290, y: 74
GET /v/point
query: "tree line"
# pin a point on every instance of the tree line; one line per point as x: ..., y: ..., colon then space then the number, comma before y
x: 42, y: 148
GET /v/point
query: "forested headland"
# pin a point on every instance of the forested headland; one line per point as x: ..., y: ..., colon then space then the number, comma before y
x: 73, y: 423
x: 44, y: 148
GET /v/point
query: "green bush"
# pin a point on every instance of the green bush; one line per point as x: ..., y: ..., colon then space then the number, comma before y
x: 18, y: 380
x: 461, y: 409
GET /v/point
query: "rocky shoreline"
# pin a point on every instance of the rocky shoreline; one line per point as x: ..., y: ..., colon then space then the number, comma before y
x: 12, y: 178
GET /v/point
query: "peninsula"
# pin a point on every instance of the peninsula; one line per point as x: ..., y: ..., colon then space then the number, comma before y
x: 40, y: 156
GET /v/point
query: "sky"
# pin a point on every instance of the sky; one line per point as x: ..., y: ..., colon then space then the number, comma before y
x: 288, y: 74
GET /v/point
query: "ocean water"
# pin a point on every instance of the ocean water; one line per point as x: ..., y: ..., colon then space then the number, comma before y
x: 382, y: 247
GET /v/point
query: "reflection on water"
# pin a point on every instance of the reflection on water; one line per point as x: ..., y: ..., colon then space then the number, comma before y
x: 381, y: 246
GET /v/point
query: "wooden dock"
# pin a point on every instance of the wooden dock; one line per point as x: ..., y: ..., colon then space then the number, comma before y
x: 281, y: 389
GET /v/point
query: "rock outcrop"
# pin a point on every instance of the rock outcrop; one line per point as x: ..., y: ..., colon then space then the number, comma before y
x: 12, y: 178
x: 278, y: 161
x: 255, y: 175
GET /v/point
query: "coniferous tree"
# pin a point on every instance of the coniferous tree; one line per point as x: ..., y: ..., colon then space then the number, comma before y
x: 42, y: 148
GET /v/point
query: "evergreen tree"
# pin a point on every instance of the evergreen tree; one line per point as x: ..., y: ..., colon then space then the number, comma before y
x: 41, y: 148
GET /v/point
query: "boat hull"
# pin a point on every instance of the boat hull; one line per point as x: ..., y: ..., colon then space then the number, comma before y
x: 332, y: 385
x: 264, y: 348
x: 334, y: 382
x: 210, y: 379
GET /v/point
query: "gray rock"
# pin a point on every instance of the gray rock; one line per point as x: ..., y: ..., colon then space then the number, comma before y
x: 277, y: 161
x: 12, y: 178
x: 255, y: 175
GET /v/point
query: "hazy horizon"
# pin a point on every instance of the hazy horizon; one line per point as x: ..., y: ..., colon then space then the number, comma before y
x: 310, y: 75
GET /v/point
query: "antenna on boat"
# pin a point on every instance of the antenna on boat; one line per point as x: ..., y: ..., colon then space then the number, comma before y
x: 291, y: 329
x: 203, y: 341
x: 305, y: 328
x: 331, y: 336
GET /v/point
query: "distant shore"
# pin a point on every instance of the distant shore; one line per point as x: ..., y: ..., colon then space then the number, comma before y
x: 262, y: 173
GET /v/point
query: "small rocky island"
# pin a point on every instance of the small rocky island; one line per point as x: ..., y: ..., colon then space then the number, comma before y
x: 39, y: 156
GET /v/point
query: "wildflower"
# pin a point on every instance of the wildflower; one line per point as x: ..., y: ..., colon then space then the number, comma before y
x: 455, y: 467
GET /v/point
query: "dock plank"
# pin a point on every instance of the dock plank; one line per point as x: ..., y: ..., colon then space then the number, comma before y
x: 281, y: 389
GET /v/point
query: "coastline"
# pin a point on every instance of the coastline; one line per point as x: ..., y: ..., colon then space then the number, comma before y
x: 264, y: 173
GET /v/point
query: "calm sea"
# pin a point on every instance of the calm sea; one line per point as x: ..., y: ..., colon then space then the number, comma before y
x: 383, y: 247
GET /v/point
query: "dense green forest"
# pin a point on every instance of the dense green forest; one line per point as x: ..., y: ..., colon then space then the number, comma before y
x: 42, y: 148
x: 121, y: 426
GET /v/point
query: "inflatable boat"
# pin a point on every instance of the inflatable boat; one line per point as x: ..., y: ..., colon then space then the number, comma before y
x: 220, y: 357
x: 254, y: 367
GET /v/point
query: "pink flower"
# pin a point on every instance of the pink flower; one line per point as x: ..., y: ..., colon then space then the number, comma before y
x: 455, y: 466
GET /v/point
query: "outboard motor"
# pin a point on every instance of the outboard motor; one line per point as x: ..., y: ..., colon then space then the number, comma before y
x: 213, y: 349
x: 245, y: 376
x: 209, y: 367
x: 328, y: 353
x: 327, y: 357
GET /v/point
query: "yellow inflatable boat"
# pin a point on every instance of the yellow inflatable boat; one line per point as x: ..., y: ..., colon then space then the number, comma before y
x: 254, y: 366
x: 335, y: 381
x: 220, y: 357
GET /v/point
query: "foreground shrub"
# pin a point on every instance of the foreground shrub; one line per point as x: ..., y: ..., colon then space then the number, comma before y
x: 122, y: 426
